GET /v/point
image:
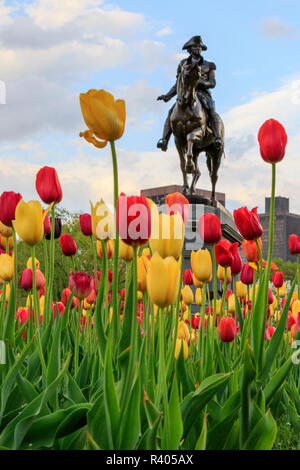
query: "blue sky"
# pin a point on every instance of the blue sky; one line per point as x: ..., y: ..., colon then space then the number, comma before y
x: 50, y: 51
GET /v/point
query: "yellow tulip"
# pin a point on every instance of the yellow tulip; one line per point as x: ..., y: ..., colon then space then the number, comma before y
x: 294, y: 296
x: 274, y: 304
x: 28, y: 301
x: 196, y: 282
x: 29, y: 263
x: 110, y: 244
x: 163, y: 280
x: 295, y: 308
x: 198, y: 296
x: 281, y: 291
x: 180, y: 343
x: 6, y: 267
x: 3, y: 242
x: 251, y: 292
x: 42, y: 304
x: 221, y: 273
x: 146, y: 252
x: 139, y: 295
x: 201, y: 265
x: 167, y: 235
x: 104, y: 117
x: 102, y: 221
x: 272, y: 310
x: 185, y: 316
x: 218, y: 306
x: 5, y: 231
x: 125, y: 251
x: 241, y: 289
x: 187, y: 295
x: 29, y: 221
x: 183, y: 331
x: 142, y: 266
x: 231, y: 303
x: 7, y: 293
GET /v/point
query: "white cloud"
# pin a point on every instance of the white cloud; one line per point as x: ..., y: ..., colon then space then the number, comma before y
x: 164, y: 32
x: 5, y: 12
x: 275, y: 28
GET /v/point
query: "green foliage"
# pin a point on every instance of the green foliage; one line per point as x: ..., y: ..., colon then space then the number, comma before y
x: 289, y: 269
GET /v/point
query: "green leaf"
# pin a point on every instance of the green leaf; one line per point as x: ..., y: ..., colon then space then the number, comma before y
x: 173, y: 427
x: 201, y: 443
x: 9, y: 325
x: 111, y: 403
x: 53, y: 367
x: 130, y: 425
x: 263, y: 435
x: 258, y: 320
x: 276, y: 381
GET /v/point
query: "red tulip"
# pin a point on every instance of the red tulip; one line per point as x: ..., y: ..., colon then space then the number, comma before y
x: 247, y: 274
x: 269, y: 332
x: 178, y: 203
x: 188, y: 277
x: 57, y: 229
x: 270, y: 297
x: 133, y: 219
x: 47, y: 225
x: 8, y: 203
x: 248, y: 223
x: 83, y: 284
x: 48, y: 186
x: 294, y: 244
x: 272, y: 141
x: 91, y: 299
x: 225, y: 252
x: 85, y: 221
x: 123, y: 293
x: 227, y: 329
x: 250, y: 250
x: 209, y: 227
x: 236, y: 265
x: 277, y: 279
x: 27, y: 279
x: 60, y: 306
x: 42, y: 291
x: 291, y: 320
x: 68, y: 245
x: 298, y: 322
x: 65, y: 297
x: 196, y: 322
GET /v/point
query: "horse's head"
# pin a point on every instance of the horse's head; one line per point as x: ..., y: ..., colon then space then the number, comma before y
x: 187, y: 83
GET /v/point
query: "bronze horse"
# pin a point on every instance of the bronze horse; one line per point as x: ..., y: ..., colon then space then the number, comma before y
x: 192, y: 135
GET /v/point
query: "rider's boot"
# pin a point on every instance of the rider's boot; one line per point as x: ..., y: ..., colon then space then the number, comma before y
x: 215, y: 125
x: 163, y: 143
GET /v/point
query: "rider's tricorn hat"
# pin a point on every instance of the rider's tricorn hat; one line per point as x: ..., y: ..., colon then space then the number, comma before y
x: 195, y: 41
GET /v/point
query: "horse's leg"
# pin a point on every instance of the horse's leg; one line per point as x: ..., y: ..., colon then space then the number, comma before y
x: 196, y: 174
x: 215, y: 159
x: 181, y: 153
x: 191, y: 138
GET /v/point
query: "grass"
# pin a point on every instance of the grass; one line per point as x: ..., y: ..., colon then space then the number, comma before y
x: 287, y: 438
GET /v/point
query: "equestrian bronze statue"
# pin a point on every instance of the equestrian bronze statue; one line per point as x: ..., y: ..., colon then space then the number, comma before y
x: 192, y: 119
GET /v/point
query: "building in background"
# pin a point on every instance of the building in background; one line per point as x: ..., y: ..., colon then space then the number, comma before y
x: 158, y: 194
x: 285, y: 223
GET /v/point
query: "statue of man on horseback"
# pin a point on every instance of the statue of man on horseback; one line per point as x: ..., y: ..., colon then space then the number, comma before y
x: 193, y: 119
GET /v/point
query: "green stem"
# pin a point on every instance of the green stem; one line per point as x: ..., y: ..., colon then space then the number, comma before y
x: 15, y: 268
x: 77, y: 338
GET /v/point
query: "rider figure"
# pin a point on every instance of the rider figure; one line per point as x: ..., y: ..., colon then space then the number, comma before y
x: 207, y: 80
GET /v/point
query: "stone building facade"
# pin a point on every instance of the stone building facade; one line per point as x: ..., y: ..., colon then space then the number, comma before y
x: 285, y: 223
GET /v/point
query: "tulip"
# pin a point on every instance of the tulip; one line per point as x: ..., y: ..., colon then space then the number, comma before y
x: 272, y: 140
x: 294, y: 244
x: 5, y: 231
x: 294, y: 331
x: 231, y: 303
x: 298, y: 322
x: 196, y: 323
x: 68, y: 245
x: 85, y: 221
x: 125, y: 251
x: 295, y: 307
x: 196, y: 282
x: 187, y: 295
x: 29, y: 222
x: 225, y: 252
x: 29, y: 263
x: 218, y: 307
x: 281, y: 291
x: 277, y: 279
x: 198, y: 298
x: 57, y: 229
x: 163, y: 280
x: 291, y: 321
x: 7, y: 293
x: 247, y: 274
x: 227, y: 329
x: 209, y: 227
x: 91, y: 298
x: 250, y: 250
x: 6, y: 267
x: 188, y: 277
x: 8, y: 203
x: 3, y: 242
x: 270, y: 296
x: 183, y: 331
x: 48, y: 186
x: 167, y: 237
x: 180, y: 343
x: 104, y: 117
x: 133, y: 219
x: 248, y: 223
x: 178, y: 203
x: 142, y: 266
x: 83, y: 284
x: 58, y: 306
x: 110, y: 248
x: 65, y: 297
x: 241, y: 289
x: 269, y: 333
x: 47, y: 225
x: 221, y: 274
x: 102, y: 221
x: 201, y: 265
x: 27, y: 279
x: 236, y: 265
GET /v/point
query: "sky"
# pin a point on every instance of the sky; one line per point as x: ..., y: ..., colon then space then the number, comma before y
x: 52, y: 50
